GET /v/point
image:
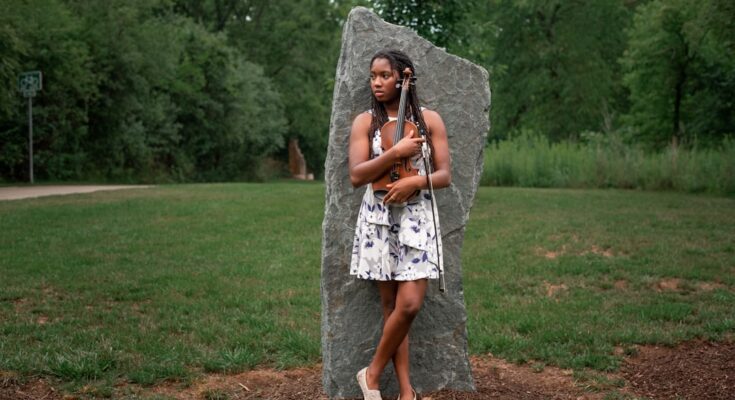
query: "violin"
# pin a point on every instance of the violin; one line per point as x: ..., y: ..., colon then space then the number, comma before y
x: 391, y: 133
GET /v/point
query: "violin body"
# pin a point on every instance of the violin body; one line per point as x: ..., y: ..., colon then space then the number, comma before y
x: 403, y: 168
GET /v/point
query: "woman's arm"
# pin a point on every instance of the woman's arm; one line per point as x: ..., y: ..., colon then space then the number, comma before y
x: 442, y: 174
x: 362, y: 169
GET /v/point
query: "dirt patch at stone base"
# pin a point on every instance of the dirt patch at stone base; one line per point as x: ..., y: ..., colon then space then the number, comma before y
x: 494, y: 379
x: 695, y: 369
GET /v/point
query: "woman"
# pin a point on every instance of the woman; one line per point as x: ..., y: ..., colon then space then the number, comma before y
x: 395, y: 240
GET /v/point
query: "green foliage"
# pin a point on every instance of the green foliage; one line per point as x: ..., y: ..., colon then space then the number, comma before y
x: 45, y: 36
x: 436, y: 20
x: 188, y: 90
x: 680, y: 70
x: 231, y: 115
x: 195, y: 104
x: 554, y: 66
x: 134, y: 92
x: 475, y: 35
x: 297, y: 44
x: 607, y: 161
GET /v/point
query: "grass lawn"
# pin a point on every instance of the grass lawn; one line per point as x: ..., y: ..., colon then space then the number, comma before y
x: 173, y: 281
x: 574, y: 277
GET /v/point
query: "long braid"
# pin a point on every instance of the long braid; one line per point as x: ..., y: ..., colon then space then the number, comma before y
x: 398, y: 61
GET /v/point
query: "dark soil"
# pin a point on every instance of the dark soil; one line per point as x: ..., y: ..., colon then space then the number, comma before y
x: 692, y: 370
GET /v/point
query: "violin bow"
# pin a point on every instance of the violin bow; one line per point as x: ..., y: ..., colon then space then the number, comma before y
x: 427, y: 167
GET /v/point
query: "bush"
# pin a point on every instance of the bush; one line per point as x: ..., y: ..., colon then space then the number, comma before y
x: 606, y: 161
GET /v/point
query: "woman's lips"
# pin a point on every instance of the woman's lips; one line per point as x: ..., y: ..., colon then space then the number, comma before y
x: 379, y: 93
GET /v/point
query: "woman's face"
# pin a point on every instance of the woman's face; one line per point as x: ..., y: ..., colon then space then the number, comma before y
x: 383, y: 80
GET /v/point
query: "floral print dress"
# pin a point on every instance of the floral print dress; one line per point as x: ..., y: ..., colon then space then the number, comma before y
x: 395, y: 242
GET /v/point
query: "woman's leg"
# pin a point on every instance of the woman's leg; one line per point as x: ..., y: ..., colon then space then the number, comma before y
x: 409, y: 298
x: 388, y: 291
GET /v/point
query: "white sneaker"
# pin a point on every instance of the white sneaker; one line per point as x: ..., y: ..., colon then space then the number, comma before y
x: 368, y: 394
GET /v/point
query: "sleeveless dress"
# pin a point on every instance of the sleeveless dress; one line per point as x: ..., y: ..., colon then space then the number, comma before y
x: 396, y: 242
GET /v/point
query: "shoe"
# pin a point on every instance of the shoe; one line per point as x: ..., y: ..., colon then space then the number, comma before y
x: 368, y: 394
x: 414, y: 395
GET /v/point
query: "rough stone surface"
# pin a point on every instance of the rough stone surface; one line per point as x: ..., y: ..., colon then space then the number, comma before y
x: 351, y: 313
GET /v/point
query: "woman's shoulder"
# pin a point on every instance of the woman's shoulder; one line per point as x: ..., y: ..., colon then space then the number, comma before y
x: 362, y: 121
x: 427, y: 111
x: 364, y: 116
x: 430, y: 116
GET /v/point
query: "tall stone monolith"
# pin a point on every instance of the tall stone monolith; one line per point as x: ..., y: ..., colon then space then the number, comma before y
x: 351, y: 311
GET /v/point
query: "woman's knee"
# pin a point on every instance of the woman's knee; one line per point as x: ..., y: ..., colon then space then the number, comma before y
x: 409, y: 308
x: 410, y: 298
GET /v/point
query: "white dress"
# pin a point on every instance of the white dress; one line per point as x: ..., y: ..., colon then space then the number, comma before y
x: 396, y: 242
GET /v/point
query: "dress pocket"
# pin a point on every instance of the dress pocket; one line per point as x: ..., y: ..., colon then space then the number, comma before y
x: 373, y: 211
x: 376, y: 213
x: 414, y: 230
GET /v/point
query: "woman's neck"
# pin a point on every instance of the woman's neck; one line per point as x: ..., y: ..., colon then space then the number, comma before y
x: 391, y: 107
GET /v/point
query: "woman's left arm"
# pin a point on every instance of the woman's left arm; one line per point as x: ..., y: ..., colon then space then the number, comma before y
x: 441, y: 177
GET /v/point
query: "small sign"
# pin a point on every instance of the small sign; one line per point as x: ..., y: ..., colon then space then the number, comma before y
x: 30, y: 82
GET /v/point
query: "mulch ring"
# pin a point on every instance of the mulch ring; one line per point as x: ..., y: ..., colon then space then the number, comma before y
x: 695, y: 369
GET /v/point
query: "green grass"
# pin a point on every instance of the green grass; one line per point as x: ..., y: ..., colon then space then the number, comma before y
x: 521, y: 242
x: 161, y: 283
x: 174, y: 281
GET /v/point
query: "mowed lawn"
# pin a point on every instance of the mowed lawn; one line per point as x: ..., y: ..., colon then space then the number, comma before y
x: 178, y: 280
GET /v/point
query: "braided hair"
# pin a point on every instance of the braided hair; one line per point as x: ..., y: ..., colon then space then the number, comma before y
x: 399, y: 61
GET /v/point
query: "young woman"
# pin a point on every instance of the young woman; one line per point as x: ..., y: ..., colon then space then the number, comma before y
x: 395, y: 240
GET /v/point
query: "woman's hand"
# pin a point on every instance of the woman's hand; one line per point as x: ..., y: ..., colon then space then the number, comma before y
x: 409, y: 145
x: 401, y: 190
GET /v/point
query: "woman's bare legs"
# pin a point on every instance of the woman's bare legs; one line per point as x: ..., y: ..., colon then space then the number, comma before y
x: 409, y: 296
x: 388, y: 291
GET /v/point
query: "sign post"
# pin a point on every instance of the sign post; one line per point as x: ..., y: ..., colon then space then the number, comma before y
x: 29, y: 83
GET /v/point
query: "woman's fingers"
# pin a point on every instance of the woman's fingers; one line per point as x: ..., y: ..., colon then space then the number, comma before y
x: 392, y: 197
x: 387, y: 198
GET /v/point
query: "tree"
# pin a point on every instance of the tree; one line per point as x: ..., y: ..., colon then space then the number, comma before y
x: 44, y: 35
x: 554, y: 66
x: 297, y: 44
x: 680, y: 70
x: 132, y: 91
x: 230, y: 114
x: 435, y: 20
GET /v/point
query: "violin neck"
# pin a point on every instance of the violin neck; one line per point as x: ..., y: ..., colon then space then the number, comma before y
x: 401, y: 115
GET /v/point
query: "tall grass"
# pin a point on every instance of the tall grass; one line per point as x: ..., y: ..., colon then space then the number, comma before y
x: 599, y: 161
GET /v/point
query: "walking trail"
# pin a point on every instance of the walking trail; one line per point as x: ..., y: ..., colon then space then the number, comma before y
x: 25, y: 192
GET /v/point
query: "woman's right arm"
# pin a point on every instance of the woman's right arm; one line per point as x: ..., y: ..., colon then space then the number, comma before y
x: 363, y: 169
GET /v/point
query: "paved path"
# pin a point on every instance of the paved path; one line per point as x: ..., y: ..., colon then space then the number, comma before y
x: 24, y: 192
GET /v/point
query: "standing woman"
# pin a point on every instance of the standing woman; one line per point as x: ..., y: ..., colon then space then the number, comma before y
x: 395, y: 240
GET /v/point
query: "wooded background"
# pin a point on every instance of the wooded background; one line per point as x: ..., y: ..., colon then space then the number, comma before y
x: 212, y: 90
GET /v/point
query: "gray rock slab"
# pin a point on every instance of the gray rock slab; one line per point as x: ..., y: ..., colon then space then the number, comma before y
x: 351, y: 314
